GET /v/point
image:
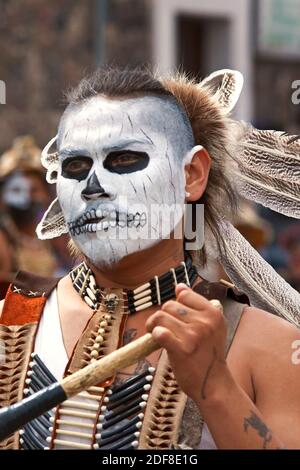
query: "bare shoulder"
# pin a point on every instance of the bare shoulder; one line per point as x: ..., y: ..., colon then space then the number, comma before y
x: 261, y: 330
x: 270, y: 346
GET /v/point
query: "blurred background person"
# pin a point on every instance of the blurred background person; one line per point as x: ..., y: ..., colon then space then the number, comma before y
x: 24, y: 196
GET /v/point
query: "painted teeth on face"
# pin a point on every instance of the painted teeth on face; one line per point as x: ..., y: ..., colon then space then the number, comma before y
x: 143, y: 219
x: 82, y: 225
x: 136, y: 220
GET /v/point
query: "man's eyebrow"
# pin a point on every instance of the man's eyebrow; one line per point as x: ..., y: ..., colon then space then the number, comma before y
x: 122, y: 144
x: 73, y: 152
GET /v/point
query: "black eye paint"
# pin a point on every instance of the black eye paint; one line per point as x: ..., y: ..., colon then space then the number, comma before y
x: 126, y: 161
x: 76, y: 168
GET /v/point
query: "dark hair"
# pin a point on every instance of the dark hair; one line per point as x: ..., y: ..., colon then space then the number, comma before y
x: 114, y: 82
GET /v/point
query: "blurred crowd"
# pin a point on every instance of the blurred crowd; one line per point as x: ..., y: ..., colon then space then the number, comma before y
x: 24, y: 197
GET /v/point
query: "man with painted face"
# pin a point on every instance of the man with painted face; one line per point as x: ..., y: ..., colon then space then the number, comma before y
x: 131, y: 150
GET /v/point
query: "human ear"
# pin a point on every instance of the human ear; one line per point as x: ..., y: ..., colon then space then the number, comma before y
x: 196, y: 173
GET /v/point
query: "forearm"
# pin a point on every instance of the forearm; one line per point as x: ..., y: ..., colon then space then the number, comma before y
x: 233, y: 419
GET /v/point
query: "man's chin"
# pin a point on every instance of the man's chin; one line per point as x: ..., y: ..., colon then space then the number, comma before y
x: 105, y: 253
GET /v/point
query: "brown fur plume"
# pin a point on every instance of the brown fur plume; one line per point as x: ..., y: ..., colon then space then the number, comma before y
x: 211, y: 128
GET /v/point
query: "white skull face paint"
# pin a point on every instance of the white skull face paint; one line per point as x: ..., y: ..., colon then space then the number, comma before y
x: 120, y: 160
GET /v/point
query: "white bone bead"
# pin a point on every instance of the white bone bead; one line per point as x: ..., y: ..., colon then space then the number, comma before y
x: 81, y: 405
x: 78, y: 414
x: 142, y: 301
x: 88, y: 301
x: 141, y: 288
x: 142, y: 294
x: 142, y: 307
x: 75, y: 445
x: 75, y: 423
x: 91, y: 293
x: 74, y: 433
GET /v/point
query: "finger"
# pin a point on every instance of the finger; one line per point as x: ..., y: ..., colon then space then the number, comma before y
x: 165, y: 320
x: 217, y: 304
x: 181, y: 287
x: 180, y: 311
x: 166, y: 339
x: 193, y: 300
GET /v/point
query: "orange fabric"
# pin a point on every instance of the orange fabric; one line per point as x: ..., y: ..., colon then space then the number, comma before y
x: 19, y: 309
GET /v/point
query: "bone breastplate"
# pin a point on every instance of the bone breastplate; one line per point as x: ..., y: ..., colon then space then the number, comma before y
x: 148, y: 411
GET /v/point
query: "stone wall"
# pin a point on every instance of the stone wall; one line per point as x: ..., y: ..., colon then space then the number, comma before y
x: 47, y: 46
x: 128, y: 35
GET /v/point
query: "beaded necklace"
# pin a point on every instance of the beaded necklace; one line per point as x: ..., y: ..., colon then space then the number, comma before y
x: 154, y: 292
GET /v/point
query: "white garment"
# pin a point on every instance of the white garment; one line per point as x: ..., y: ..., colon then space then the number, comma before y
x: 49, y: 343
x: 207, y: 441
x: 50, y: 347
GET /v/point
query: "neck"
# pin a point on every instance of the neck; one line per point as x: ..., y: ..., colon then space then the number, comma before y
x: 138, y: 268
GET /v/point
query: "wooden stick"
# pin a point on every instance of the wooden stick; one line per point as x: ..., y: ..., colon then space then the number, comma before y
x: 104, y: 368
x: 15, y: 416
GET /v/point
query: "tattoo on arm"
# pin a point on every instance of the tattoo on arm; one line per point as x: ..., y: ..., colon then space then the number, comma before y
x: 256, y: 423
x: 129, y: 335
x: 208, y: 371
